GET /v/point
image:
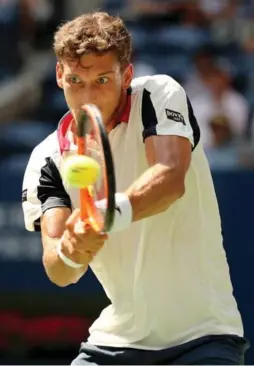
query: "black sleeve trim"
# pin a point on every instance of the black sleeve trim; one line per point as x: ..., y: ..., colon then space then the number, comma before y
x: 194, y: 124
x: 51, y: 192
x: 149, y: 118
x: 53, y: 202
x: 149, y: 132
x: 37, y: 224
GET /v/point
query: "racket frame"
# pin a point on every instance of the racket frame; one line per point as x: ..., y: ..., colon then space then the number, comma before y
x: 89, y: 213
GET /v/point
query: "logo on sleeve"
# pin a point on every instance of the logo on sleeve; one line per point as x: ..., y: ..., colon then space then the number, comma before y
x: 175, y: 116
x: 24, y: 195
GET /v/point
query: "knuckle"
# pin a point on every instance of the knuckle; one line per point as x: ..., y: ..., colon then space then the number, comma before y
x: 80, y: 233
x: 73, y: 243
x: 80, y: 229
x: 71, y: 251
x: 67, y: 226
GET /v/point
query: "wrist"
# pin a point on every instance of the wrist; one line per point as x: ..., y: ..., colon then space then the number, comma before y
x: 66, y: 260
x: 123, y: 211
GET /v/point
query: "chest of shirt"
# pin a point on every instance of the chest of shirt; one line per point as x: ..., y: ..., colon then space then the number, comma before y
x: 128, y: 155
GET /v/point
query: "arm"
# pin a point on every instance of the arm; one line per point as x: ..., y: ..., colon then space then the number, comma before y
x: 78, y: 243
x: 170, y: 132
x: 52, y: 229
x: 163, y: 183
x: 47, y: 208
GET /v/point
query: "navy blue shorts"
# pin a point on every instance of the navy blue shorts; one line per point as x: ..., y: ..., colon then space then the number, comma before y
x: 208, y: 350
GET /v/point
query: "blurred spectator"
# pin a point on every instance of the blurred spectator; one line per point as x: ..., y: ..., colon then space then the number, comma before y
x: 27, y: 22
x: 73, y: 8
x: 217, y: 9
x: 41, y: 10
x: 16, y: 29
x: 192, y: 14
x: 204, y: 64
x: 47, y: 15
x: 223, y: 152
x: 152, y: 12
x: 221, y: 99
x: 248, y: 44
x: 222, y: 134
x: 227, y: 151
x: 233, y: 20
x: 170, y: 11
x: 25, y: 25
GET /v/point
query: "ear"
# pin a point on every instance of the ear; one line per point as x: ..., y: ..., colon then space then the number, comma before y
x: 128, y: 76
x: 59, y: 75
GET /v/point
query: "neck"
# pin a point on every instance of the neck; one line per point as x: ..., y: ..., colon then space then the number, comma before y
x: 115, y: 118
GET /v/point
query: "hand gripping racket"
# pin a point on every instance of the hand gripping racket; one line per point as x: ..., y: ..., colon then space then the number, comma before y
x: 92, y: 140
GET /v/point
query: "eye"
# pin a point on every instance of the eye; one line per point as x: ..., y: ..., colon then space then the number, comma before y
x: 102, y: 80
x: 75, y: 79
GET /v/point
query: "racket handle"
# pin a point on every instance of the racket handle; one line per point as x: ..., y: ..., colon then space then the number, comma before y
x: 83, y: 210
x: 89, y: 212
x: 81, y: 145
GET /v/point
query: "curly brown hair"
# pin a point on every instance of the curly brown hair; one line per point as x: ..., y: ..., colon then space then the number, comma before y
x: 96, y: 32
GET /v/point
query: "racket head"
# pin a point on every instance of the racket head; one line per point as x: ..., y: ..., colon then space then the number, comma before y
x: 92, y: 140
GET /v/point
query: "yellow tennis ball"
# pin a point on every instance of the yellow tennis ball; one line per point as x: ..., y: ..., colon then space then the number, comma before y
x: 80, y: 171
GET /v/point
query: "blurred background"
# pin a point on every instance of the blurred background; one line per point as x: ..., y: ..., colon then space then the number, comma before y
x: 208, y: 46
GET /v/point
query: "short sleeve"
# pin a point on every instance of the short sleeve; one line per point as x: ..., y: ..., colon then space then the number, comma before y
x: 42, y: 189
x: 166, y: 110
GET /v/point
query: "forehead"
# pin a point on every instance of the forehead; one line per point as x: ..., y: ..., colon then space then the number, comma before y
x: 93, y: 64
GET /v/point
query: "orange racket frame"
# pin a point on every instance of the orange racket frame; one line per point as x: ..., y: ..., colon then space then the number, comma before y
x: 88, y: 210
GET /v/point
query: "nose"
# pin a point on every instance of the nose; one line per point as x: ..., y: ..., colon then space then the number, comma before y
x: 89, y: 95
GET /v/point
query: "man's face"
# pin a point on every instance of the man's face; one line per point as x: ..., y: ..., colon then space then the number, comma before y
x: 95, y: 79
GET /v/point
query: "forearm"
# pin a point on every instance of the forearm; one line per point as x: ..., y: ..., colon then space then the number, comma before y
x: 57, y: 271
x: 155, y: 190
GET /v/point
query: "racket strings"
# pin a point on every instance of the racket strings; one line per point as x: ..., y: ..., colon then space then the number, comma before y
x: 93, y: 149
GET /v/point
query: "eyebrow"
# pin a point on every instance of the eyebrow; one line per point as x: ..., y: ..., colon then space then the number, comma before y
x: 106, y: 73
x: 100, y: 74
x: 72, y: 74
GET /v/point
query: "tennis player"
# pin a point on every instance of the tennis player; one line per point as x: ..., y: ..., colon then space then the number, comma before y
x: 163, y: 265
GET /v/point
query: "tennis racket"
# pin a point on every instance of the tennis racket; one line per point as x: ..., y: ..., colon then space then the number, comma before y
x: 92, y: 140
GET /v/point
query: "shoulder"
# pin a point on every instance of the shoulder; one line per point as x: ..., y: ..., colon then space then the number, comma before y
x: 159, y: 84
x: 165, y: 108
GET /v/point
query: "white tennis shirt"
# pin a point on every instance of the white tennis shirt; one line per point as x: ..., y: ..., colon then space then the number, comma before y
x: 167, y: 276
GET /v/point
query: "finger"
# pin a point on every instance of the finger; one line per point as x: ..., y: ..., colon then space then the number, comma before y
x: 67, y: 246
x: 74, y: 217
x: 90, y: 237
x: 83, y: 228
x: 90, y: 249
x: 80, y: 228
x: 82, y: 245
